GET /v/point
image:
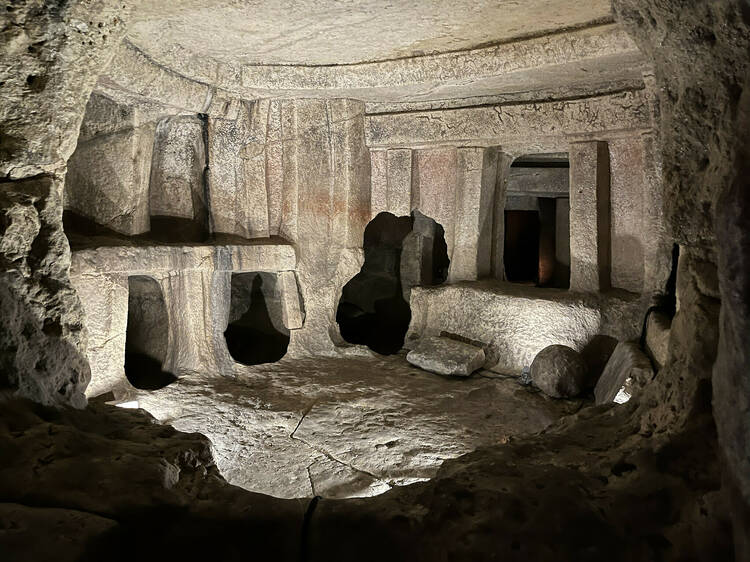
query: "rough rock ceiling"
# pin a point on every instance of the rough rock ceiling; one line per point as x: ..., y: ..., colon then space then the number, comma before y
x: 326, y: 32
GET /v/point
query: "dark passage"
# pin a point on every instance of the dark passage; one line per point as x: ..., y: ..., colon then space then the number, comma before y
x: 522, y: 246
x: 400, y: 253
x: 146, y: 340
x: 256, y: 333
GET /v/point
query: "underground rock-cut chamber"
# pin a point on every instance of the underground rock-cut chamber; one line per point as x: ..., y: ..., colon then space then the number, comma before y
x: 255, y: 332
x: 147, y: 335
x: 400, y: 253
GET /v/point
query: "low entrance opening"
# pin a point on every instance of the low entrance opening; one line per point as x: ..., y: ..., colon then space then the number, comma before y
x: 537, y: 221
x: 146, y: 339
x: 256, y: 333
x: 400, y: 253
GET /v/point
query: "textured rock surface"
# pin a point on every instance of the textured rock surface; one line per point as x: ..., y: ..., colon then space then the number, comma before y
x: 657, y: 338
x: 627, y: 372
x: 41, y: 342
x: 445, y: 356
x: 701, y: 64
x: 345, y: 427
x: 514, y: 322
x: 108, y: 482
x: 559, y: 371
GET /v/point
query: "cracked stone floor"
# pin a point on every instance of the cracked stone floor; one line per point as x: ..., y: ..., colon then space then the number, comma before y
x: 346, y: 427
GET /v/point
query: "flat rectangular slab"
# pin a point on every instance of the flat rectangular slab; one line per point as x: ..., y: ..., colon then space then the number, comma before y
x: 627, y: 371
x: 155, y: 258
x: 445, y: 356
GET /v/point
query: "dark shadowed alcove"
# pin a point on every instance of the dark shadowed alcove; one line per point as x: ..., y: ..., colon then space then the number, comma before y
x: 146, y: 340
x: 537, y: 221
x: 256, y: 333
x: 400, y: 253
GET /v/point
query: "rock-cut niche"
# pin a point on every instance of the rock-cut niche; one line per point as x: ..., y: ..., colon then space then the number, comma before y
x: 256, y: 332
x: 537, y: 221
x: 400, y: 253
x: 147, y: 335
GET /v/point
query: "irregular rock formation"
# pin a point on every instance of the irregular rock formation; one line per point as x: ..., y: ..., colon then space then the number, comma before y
x: 559, y: 371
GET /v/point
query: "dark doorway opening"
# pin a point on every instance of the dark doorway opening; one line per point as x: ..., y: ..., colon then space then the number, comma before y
x: 537, y: 221
x: 400, y: 253
x: 146, y: 340
x: 256, y: 333
x: 522, y: 246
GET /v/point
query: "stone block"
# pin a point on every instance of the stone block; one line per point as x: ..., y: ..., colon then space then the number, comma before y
x: 108, y: 179
x: 628, y: 371
x: 292, y: 311
x: 476, y: 178
x: 104, y: 299
x: 176, y: 188
x: 445, y: 356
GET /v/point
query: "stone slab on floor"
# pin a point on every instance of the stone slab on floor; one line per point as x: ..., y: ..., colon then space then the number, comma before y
x: 445, y: 356
x: 627, y: 371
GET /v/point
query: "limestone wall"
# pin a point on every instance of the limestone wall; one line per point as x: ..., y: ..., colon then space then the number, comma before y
x: 419, y: 160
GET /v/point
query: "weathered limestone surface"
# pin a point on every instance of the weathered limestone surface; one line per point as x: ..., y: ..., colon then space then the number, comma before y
x: 657, y: 338
x: 148, y: 258
x: 539, y: 182
x: 117, y: 470
x: 590, y: 232
x: 237, y: 172
x: 627, y: 372
x: 568, y: 58
x: 523, y: 128
x: 195, y: 282
x: 514, y: 323
x: 559, y: 371
x: 104, y: 297
x: 504, y: 162
x: 41, y: 341
x: 701, y: 68
x: 179, y: 159
x: 271, y: 431
x: 108, y: 179
x: 391, y: 181
x: 472, y: 244
x: 445, y: 356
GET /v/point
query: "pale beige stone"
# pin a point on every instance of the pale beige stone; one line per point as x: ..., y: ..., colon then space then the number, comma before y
x: 446, y: 356
x: 590, y: 249
x: 626, y: 373
x: 477, y: 175
x: 104, y: 298
x: 513, y: 323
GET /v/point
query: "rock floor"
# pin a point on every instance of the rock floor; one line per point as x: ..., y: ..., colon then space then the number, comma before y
x: 346, y: 427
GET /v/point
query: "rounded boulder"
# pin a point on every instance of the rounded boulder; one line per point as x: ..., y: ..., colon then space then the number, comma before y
x: 559, y: 371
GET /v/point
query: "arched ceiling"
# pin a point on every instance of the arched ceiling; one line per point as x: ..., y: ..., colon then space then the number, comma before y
x: 185, y: 52
x: 332, y: 32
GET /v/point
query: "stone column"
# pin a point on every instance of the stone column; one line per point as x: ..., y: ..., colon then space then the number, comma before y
x: 104, y: 297
x: 476, y: 177
x: 189, y: 296
x: 391, y: 181
x: 589, y: 217
x: 434, y: 185
x: 504, y: 160
x: 238, y: 200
